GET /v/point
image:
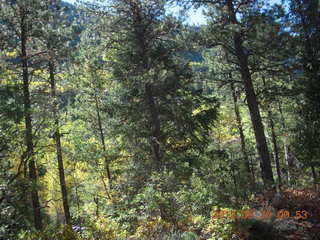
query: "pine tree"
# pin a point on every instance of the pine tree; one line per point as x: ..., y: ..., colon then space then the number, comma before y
x: 306, y: 25
x: 18, y: 32
x: 57, y: 43
x: 228, y: 30
x: 155, y: 81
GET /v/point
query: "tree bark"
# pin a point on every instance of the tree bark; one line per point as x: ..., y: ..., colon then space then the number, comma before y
x: 28, y: 123
x: 274, y: 140
x: 275, y: 147
x: 241, y: 133
x: 102, y: 139
x: 314, y: 176
x: 288, y: 159
x: 57, y: 139
x: 258, y: 128
x: 96, y: 201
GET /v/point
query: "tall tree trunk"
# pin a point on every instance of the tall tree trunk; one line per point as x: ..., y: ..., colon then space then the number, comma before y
x: 79, y: 218
x: 28, y: 122
x: 241, y: 133
x: 288, y: 159
x: 252, y: 169
x: 275, y: 147
x: 96, y: 201
x: 262, y: 146
x: 274, y: 139
x: 314, y: 176
x: 57, y: 139
x: 102, y: 139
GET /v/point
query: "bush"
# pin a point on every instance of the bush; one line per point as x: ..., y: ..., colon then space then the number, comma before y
x: 62, y: 232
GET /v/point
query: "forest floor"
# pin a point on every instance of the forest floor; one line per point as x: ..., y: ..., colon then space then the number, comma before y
x: 296, y: 215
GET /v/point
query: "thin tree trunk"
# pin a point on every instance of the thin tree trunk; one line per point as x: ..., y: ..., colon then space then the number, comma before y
x: 314, y: 176
x: 241, y: 133
x: 275, y: 147
x: 258, y: 128
x: 57, y: 139
x: 102, y: 138
x: 288, y: 160
x: 234, y: 181
x: 28, y: 122
x: 96, y: 201
x: 79, y: 219
x: 252, y: 169
x: 274, y: 140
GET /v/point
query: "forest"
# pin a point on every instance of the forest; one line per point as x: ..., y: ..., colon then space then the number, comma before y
x: 121, y: 120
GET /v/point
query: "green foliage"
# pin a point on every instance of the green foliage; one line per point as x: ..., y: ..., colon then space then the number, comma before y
x: 220, y: 228
x: 305, y: 18
x: 149, y: 132
x: 189, y: 236
x: 199, y: 196
x: 13, y: 214
x: 10, y: 103
x: 52, y: 232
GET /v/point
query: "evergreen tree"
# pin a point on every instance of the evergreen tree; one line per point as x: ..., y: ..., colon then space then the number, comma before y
x: 236, y: 27
x: 155, y: 82
x: 306, y: 25
x: 18, y: 32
